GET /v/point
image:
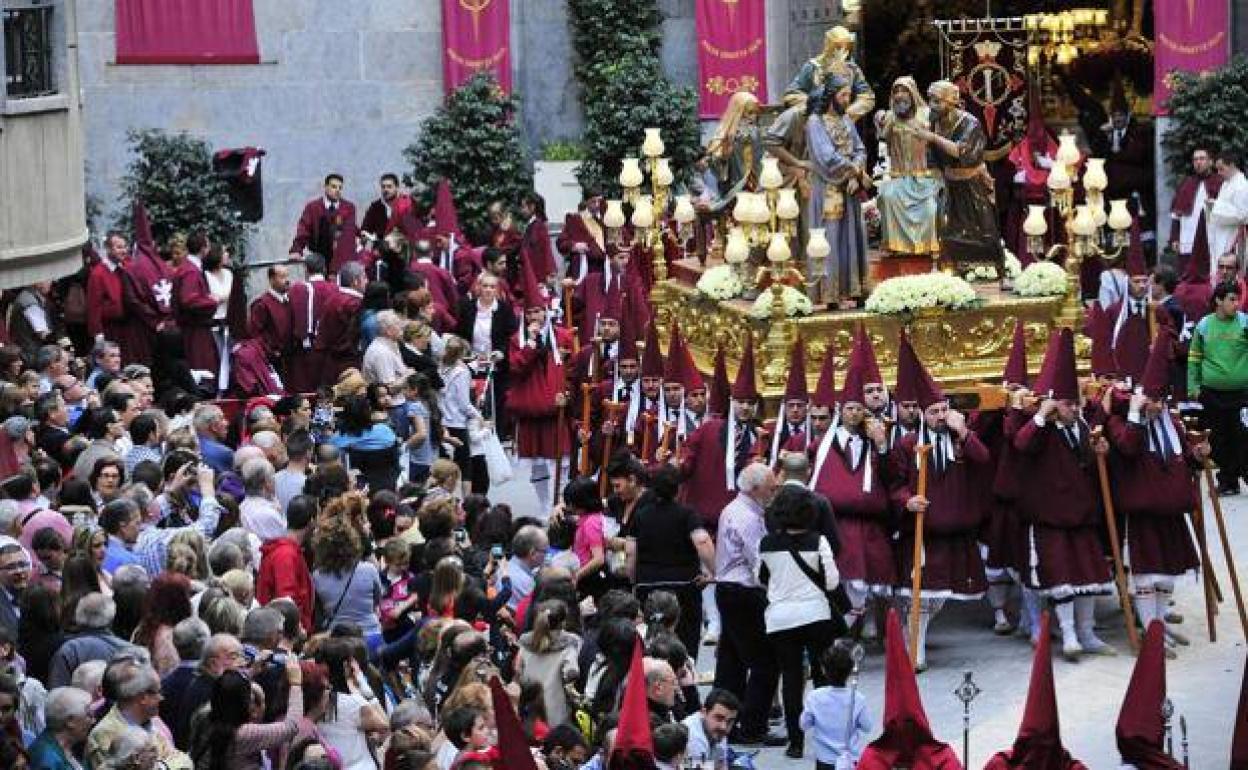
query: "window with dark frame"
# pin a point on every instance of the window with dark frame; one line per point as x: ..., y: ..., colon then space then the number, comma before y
x: 28, y: 51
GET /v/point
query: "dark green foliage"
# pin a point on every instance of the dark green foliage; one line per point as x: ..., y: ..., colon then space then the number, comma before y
x: 474, y: 142
x: 172, y: 174
x: 626, y: 91
x: 1207, y: 111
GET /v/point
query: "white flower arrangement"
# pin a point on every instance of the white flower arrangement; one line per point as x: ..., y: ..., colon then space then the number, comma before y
x: 981, y: 273
x: 908, y: 293
x: 1041, y: 279
x: 720, y: 283
x: 795, y: 303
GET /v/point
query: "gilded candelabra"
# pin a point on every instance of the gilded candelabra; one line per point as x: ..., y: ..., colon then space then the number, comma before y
x: 650, y: 218
x: 1084, y: 225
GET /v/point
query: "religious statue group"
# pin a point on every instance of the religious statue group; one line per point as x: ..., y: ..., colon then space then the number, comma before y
x: 935, y: 196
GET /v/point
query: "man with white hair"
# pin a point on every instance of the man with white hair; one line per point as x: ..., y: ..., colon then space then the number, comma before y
x: 68, y: 717
x: 259, y: 511
x: 746, y: 664
x: 383, y: 364
x: 94, y: 641
x: 270, y: 443
x: 661, y: 688
x: 211, y: 428
x: 190, y: 638
x: 136, y: 703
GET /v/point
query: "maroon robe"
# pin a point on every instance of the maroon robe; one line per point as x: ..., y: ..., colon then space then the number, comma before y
x: 251, y: 374
x: 797, y: 443
x: 271, y: 320
x: 705, y: 488
x: 1003, y: 533
x: 507, y: 240
x: 1154, y: 496
x: 105, y: 311
x: 337, y: 344
x: 591, y: 233
x: 1059, y: 504
x: 194, y: 307
x: 952, y: 566
x: 440, y: 284
x: 535, y: 249
x: 1133, y: 341
x: 863, y: 518
x: 380, y: 222
x: 1184, y: 203
x: 322, y: 232
x: 534, y: 382
x: 303, y: 374
x: 594, y: 300
x: 147, y: 295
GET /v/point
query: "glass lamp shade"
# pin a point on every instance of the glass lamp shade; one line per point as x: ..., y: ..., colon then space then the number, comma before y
x: 817, y: 246
x: 770, y: 177
x: 630, y: 174
x: 663, y: 176
x: 1094, y: 177
x: 684, y: 213
x: 1067, y: 150
x: 778, y: 249
x: 1098, y: 213
x: 1058, y: 179
x: 737, y: 250
x: 613, y: 217
x: 643, y: 213
x: 1083, y: 224
x: 1035, y: 223
x: 786, y: 205
x: 652, y: 145
x: 1119, y: 218
x: 759, y: 213
x: 741, y: 209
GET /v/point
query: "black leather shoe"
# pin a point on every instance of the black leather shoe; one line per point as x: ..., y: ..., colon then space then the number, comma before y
x: 794, y: 751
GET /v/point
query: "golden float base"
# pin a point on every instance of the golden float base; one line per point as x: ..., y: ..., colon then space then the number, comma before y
x: 960, y: 348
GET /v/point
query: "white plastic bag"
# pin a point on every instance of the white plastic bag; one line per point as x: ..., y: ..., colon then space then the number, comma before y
x: 496, y: 460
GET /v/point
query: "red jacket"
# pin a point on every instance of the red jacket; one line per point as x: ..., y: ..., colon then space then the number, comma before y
x: 284, y: 573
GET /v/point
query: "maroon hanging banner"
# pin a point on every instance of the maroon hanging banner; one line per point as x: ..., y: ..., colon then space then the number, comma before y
x: 1192, y: 37
x: 732, y: 52
x: 476, y: 37
x: 186, y: 32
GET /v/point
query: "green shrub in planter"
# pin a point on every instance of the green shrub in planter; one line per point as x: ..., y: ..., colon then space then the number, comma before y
x: 473, y: 141
x: 1206, y: 111
x: 172, y: 174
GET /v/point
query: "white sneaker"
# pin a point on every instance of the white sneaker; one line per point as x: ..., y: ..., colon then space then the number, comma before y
x: 710, y: 639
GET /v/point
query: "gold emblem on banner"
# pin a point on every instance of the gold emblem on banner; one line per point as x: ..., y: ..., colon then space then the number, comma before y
x: 476, y: 8
x: 720, y: 85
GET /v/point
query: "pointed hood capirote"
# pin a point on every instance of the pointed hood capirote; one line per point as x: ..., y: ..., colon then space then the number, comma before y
x: 745, y: 387
x: 1016, y: 365
x: 1058, y: 377
x: 907, y: 738
x: 1039, y: 742
x: 825, y: 389
x: 914, y: 382
x: 1141, y: 728
x: 795, y: 388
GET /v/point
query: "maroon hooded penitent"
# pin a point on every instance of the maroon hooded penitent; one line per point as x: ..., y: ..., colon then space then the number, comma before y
x: 1016, y: 365
x: 1039, y: 742
x: 634, y: 743
x: 1141, y: 728
x: 907, y: 738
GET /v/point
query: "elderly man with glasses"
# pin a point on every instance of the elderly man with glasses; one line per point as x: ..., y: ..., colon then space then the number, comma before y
x: 134, y: 688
